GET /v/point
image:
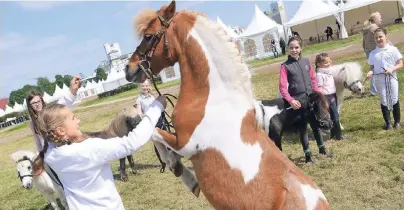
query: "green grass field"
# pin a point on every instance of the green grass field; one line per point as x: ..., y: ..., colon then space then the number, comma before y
x: 364, y: 174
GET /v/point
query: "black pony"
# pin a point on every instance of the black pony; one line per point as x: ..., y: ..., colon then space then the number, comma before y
x: 272, y: 115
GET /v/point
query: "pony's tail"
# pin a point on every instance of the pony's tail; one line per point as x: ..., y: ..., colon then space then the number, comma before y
x: 38, y: 164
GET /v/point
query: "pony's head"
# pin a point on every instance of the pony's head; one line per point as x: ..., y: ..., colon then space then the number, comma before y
x: 156, y: 51
x: 24, y: 160
x: 125, y: 121
x: 352, y: 74
x: 318, y: 115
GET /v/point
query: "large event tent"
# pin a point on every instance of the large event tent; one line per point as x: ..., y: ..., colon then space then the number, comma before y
x: 255, y: 40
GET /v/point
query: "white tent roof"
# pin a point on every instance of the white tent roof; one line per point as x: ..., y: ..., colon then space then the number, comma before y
x: 353, y: 4
x: 312, y: 10
x: 259, y: 23
x: 228, y: 30
x: 2, y: 113
x: 46, y: 97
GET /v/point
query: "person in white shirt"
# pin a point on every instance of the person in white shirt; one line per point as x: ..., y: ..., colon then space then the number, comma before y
x: 82, y: 163
x: 36, y: 103
x: 384, y: 62
x: 326, y: 85
x: 142, y: 105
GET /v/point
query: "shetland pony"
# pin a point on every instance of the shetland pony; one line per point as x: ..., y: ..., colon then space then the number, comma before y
x: 236, y: 164
x: 43, y: 182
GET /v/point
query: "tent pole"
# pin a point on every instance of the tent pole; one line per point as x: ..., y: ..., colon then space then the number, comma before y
x: 318, y: 34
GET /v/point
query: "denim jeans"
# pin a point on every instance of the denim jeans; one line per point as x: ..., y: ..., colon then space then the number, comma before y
x: 332, y: 100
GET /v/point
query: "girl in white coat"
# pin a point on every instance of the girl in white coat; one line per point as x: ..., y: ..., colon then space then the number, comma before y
x: 81, y: 163
x: 384, y: 62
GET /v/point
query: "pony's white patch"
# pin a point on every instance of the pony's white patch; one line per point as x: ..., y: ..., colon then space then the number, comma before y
x: 230, y: 97
x: 264, y: 114
x: 311, y: 196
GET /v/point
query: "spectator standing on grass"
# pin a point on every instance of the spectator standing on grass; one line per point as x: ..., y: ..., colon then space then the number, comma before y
x: 368, y: 43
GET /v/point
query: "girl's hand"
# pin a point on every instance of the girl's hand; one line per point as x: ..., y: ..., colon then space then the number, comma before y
x: 295, y: 104
x: 389, y: 71
x: 162, y: 100
x: 75, y: 84
x: 369, y: 74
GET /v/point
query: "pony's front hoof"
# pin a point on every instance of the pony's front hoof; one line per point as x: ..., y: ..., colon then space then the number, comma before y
x: 124, y: 177
x: 178, y: 169
x: 134, y: 171
x: 196, y: 190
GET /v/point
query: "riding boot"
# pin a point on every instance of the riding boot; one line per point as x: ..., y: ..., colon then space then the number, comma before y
x: 320, y: 143
x: 332, y: 132
x: 386, y: 117
x: 308, y: 157
x: 396, y: 115
x: 338, y: 131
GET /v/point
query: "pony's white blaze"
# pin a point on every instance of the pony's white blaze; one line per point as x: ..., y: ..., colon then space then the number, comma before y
x: 225, y: 94
x: 311, y: 196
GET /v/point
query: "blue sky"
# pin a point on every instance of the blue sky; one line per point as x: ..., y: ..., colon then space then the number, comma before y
x: 47, y: 38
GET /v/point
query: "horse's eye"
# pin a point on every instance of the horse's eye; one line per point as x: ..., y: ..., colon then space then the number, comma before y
x: 147, y: 37
x: 29, y: 167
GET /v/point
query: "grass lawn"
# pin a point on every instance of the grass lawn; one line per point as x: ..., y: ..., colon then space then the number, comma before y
x: 131, y: 93
x: 324, y: 46
x: 364, y: 174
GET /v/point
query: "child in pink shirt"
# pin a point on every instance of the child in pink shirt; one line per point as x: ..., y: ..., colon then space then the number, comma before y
x: 327, y: 87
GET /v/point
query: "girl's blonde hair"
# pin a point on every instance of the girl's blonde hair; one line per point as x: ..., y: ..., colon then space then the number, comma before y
x: 372, y: 18
x: 50, y: 118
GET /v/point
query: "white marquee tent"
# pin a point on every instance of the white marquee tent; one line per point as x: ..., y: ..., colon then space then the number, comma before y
x: 2, y: 113
x: 255, y: 40
x: 353, y: 4
x: 310, y: 10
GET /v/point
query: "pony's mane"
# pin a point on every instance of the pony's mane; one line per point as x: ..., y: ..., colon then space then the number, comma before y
x: 143, y: 20
x: 242, y: 74
x: 20, y: 154
x: 348, y: 72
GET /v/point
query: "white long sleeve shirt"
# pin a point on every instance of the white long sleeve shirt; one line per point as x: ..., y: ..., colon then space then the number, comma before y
x: 84, y: 169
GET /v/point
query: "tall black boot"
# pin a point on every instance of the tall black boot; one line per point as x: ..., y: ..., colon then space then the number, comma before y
x: 396, y: 115
x: 338, y: 131
x: 320, y: 143
x: 386, y: 117
x: 332, y: 132
x: 307, y: 155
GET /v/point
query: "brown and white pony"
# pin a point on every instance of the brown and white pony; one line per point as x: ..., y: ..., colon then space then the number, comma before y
x: 236, y: 164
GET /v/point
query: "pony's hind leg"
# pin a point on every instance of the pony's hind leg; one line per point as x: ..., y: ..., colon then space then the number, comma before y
x: 132, y: 164
x: 122, y: 170
x: 173, y: 160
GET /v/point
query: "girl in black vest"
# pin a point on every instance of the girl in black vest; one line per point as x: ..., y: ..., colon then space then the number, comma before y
x: 297, y: 80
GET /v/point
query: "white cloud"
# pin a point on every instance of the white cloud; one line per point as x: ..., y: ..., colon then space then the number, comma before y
x: 41, y: 5
x: 24, y: 58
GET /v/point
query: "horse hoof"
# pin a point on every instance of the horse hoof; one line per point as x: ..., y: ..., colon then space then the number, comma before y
x: 178, y: 169
x: 124, y: 178
x: 196, y: 190
x: 134, y: 171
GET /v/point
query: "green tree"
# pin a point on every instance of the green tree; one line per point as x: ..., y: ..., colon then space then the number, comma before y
x: 100, y: 74
x: 45, y: 85
x: 67, y: 79
x: 59, y: 80
x: 18, y: 96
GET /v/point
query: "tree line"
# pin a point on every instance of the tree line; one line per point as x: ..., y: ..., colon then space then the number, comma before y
x: 43, y: 84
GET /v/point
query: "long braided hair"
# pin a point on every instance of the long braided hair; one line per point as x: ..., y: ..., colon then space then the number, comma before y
x: 49, y: 119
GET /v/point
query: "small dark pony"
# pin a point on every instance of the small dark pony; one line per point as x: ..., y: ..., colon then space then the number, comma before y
x: 272, y: 116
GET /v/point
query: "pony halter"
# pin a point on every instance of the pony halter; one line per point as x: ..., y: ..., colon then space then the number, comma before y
x: 21, y: 177
x: 148, y: 46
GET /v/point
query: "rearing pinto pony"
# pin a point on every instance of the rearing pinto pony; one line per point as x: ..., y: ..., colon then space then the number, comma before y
x: 236, y: 164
